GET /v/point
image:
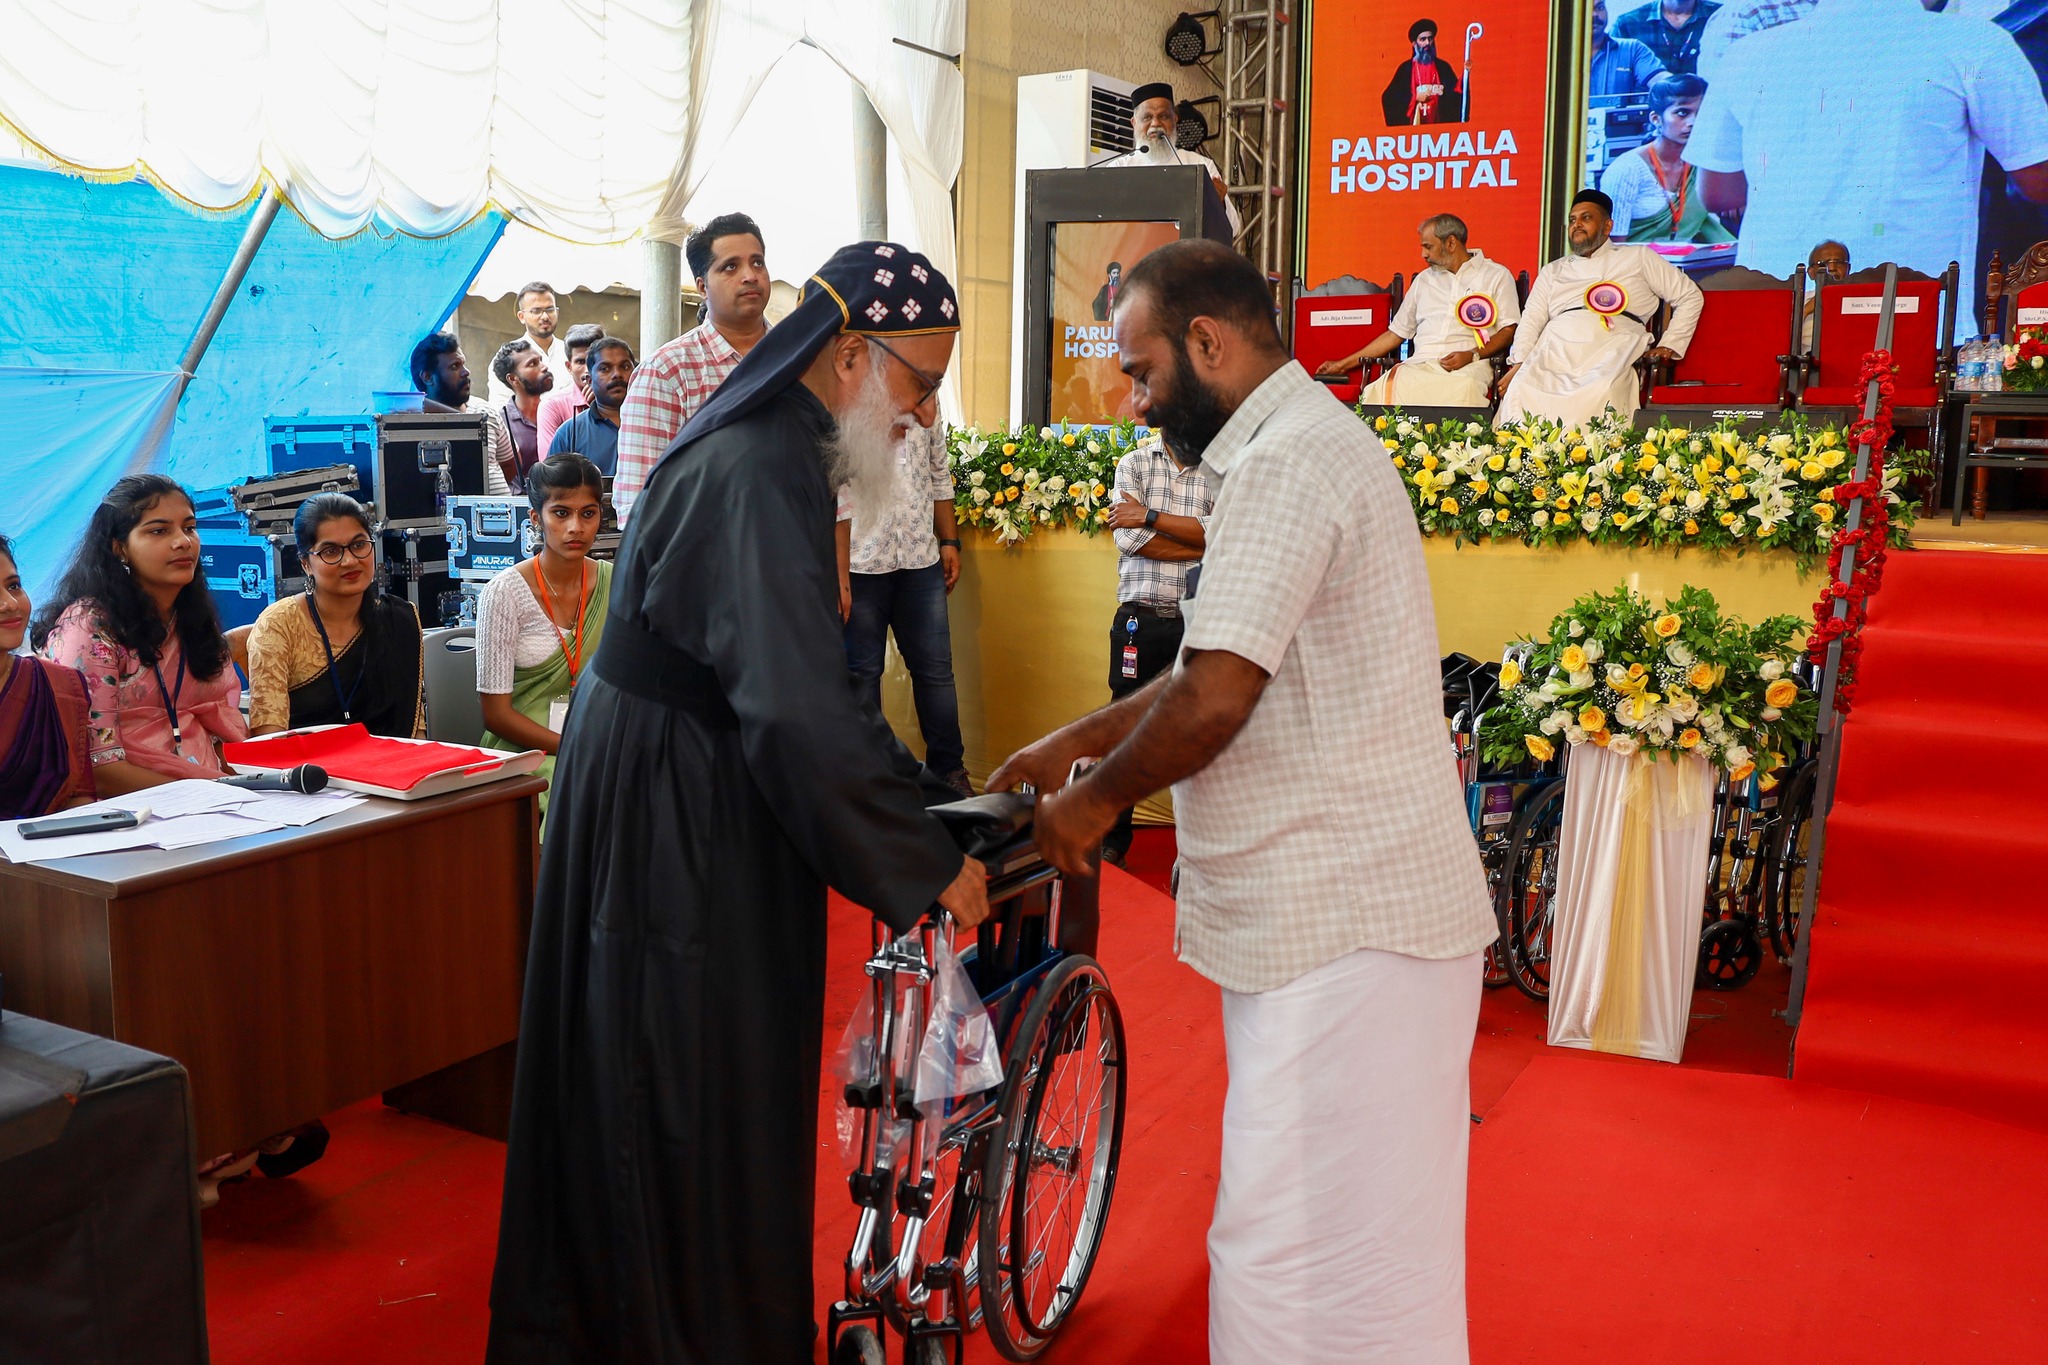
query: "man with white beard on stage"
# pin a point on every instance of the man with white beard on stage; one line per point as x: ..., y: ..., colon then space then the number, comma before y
x: 716, y: 774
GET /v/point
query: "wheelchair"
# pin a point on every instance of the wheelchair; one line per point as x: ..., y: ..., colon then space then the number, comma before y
x: 986, y: 1210
x: 1497, y: 806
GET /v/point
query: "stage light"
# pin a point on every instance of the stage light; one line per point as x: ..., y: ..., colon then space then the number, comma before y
x: 1193, y: 129
x: 1187, y: 42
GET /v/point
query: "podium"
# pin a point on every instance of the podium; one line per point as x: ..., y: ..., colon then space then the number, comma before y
x: 1082, y: 229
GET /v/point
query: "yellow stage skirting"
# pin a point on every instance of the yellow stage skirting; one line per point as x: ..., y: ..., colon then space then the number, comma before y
x: 1031, y: 623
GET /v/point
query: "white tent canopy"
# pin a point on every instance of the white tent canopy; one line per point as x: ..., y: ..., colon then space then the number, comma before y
x: 588, y: 119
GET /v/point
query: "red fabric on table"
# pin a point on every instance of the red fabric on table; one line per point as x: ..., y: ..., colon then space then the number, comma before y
x: 352, y: 752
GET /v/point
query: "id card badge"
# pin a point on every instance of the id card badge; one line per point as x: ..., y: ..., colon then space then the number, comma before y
x: 1130, y: 665
x: 558, y: 712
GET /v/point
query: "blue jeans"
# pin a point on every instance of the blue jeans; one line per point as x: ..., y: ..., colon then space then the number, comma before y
x: 911, y: 602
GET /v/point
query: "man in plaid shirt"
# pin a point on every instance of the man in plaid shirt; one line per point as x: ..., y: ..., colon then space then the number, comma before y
x: 730, y: 263
x: 1160, y: 514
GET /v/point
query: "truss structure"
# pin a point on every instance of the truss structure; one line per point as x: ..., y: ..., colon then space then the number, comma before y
x: 1260, y: 49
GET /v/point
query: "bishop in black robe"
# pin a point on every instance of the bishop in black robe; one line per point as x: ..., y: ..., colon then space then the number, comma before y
x: 716, y: 774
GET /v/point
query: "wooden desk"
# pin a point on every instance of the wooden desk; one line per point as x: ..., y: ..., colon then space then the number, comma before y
x: 298, y: 971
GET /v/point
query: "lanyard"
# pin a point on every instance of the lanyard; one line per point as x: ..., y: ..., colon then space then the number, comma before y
x: 1675, y: 203
x: 170, y: 696
x: 348, y: 702
x: 572, y: 645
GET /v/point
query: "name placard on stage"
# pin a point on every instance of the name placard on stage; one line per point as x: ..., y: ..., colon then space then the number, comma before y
x: 1870, y: 303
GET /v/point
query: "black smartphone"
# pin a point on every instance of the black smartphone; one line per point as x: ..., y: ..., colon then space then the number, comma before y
x: 99, y: 822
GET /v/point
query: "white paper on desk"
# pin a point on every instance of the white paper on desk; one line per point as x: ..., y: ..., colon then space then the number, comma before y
x: 189, y: 831
x: 295, y: 808
x: 20, y: 850
x: 183, y: 831
x: 191, y: 796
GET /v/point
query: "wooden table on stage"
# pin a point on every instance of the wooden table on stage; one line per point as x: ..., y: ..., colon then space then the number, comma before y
x: 299, y: 971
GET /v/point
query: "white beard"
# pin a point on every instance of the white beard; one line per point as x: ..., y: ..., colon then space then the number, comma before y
x: 864, y: 457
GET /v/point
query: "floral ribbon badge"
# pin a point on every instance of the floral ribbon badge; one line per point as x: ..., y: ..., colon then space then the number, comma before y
x: 1476, y: 312
x: 1607, y: 299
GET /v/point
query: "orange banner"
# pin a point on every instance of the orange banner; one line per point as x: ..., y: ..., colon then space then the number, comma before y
x: 1417, y: 110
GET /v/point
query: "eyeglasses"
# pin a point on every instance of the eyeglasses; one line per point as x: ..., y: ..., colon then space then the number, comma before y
x: 360, y: 547
x: 551, y: 308
x: 931, y: 382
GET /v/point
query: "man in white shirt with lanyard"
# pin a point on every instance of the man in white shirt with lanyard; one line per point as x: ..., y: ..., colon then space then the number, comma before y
x: 1154, y: 121
x: 1460, y: 311
x: 1918, y: 99
x: 1586, y: 323
x: 1343, y: 917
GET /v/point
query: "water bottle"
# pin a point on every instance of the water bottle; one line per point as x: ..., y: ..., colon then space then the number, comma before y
x: 1970, y: 366
x: 1994, y: 364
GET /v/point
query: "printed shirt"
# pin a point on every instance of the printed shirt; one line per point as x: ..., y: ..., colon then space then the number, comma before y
x: 1677, y: 48
x: 128, y: 722
x: 667, y: 390
x: 1333, y: 821
x: 1429, y: 310
x: 1954, y: 88
x: 1158, y: 480
x: 904, y: 537
x: 498, y: 448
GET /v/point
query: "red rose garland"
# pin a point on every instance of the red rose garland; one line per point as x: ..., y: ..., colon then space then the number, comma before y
x: 1869, y: 538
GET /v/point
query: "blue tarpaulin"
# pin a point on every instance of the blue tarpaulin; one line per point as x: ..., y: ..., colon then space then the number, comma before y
x: 105, y: 286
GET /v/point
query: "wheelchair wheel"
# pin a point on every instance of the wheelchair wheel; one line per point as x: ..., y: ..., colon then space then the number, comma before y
x: 859, y: 1346
x: 1730, y: 953
x: 1051, y: 1171
x: 1785, y: 878
x: 1529, y: 891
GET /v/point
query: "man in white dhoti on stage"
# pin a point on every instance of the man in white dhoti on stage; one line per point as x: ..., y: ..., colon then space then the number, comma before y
x: 1460, y: 313
x: 1587, y: 323
x: 1344, y: 918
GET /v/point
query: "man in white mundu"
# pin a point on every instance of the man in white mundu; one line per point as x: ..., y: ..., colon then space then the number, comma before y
x: 1344, y: 920
x: 1460, y: 311
x: 1585, y: 324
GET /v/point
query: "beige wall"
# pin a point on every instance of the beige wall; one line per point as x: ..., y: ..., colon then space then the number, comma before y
x: 1007, y: 39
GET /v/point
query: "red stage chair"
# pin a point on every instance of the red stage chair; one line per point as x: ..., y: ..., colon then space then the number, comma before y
x: 1845, y: 329
x: 1329, y: 327
x: 1741, y: 356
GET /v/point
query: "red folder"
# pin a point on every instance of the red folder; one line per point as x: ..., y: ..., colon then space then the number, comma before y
x: 352, y: 752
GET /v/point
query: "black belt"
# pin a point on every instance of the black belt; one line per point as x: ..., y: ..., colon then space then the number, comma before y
x: 643, y: 664
x: 1169, y: 613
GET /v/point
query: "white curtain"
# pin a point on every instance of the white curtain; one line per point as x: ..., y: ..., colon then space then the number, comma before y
x: 1631, y: 880
x: 567, y: 114
x: 920, y: 98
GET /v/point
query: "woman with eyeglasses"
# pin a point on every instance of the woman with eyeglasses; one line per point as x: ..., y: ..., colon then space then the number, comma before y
x: 538, y: 622
x: 132, y: 614
x: 341, y: 653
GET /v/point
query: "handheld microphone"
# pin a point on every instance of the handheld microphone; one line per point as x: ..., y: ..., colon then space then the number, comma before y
x: 306, y: 778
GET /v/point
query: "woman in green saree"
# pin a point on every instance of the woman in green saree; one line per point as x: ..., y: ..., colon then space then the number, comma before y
x: 1655, y: 190
x: 538, y: 623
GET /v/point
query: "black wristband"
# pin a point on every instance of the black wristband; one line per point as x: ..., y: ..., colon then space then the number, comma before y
x: 944, y: 542
x: 1151, y: 517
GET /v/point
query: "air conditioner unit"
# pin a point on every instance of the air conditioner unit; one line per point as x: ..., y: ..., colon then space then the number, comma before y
x: 1065, y: 120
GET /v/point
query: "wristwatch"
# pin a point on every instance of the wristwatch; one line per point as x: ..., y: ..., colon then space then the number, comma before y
x: 1151, y: 517
x: 944, y: 542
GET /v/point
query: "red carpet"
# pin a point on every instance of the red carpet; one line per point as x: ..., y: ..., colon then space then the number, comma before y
x: 1691, y: 1216
x: 1931, y: 941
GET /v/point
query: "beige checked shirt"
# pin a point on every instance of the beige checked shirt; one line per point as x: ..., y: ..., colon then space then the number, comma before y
x: 1156, y: 479
x: 1333, y: 821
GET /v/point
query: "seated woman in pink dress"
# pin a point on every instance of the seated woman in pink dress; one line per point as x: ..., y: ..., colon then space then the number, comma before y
x: 132, y: 614
x: 43, y: 763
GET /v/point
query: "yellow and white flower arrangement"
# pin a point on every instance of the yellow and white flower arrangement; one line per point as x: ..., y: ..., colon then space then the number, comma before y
x: 1630, y: 676
x: 1011, y: 483
x: 1609, y: 482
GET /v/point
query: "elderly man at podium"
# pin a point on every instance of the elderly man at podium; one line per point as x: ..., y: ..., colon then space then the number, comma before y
x: 1587, y: 323
x: 1460, y: 312
x: 1154, y: 121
